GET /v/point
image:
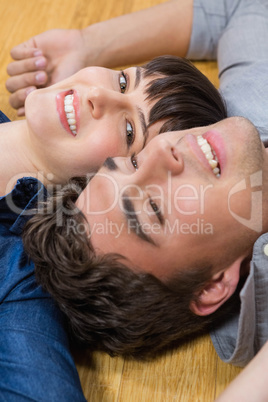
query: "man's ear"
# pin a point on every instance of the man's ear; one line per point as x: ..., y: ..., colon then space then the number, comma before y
x: 218, y: 290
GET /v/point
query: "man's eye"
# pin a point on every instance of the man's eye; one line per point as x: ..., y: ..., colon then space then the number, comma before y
x: 153, y: 205
x: 157, y: 211
x: 134, y: 161
x: 130, y: 134
x: 123, y: 82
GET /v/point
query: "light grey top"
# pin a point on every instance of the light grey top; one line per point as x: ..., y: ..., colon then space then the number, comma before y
x: 236, y: 33
x: 239, y: 339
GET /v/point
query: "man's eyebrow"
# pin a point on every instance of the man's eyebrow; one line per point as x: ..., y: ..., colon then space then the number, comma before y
x: 133, y: 220
x: 110, y: 164
x: 140, y: 112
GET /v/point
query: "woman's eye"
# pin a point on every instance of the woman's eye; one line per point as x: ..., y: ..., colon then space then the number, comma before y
x: 130, y: 134
x: 134, y: 161
x: 123, y: 82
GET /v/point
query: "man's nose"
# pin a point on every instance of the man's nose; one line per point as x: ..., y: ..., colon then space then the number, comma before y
x: 106, y: 101
x: 161, y: 158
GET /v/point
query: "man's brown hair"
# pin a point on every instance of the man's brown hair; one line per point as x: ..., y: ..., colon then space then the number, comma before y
x: 109, y: 307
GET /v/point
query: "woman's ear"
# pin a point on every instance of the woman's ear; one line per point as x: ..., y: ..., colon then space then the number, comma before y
x: 218, y: 290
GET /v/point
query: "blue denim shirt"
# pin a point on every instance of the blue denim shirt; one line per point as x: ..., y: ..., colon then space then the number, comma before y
x: 3, y: 118
x: 35, y: 360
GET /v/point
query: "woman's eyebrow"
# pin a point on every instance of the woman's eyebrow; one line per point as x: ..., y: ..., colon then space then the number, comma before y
x: 143, y: 124
x: 138, y: 77
x: 140, y: 112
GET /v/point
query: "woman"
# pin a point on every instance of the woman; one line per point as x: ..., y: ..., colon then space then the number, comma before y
x: 74, y: 125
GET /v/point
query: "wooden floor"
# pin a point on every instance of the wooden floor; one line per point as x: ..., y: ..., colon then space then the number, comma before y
x: 192, y: 373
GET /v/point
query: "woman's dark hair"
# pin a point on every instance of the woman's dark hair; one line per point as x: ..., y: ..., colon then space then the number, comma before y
x: 185, y: 98
x: 108, y: 306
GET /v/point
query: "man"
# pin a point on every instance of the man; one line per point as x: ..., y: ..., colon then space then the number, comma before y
x: 156, y: 240
x: 223, y: 206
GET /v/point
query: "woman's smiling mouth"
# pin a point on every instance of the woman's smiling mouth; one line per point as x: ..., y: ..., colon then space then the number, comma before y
x: 70, y: 112
x: 68, y: 109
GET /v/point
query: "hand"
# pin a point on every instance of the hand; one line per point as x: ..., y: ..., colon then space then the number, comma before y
x: 44, y: 60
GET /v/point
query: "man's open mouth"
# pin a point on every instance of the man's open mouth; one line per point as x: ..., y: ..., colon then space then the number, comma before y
x: 210, y: 155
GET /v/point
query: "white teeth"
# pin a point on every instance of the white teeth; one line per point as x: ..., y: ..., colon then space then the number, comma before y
x: 68, y: 108
x: 70, y: 113
x: 213, y: 163
x: 209, y: 154
x: 206, y: 147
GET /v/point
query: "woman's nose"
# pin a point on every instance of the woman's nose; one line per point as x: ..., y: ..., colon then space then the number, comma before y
x: 104, y: 100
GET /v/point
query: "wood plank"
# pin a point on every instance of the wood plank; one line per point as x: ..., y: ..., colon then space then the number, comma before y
x: 183, y: 375
x: 100, y: 375
x: 225, y: 374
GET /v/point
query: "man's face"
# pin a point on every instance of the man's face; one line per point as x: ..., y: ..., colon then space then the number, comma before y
x: 167, y: 209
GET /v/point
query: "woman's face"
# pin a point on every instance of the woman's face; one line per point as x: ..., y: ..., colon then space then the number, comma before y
x: 76, y: 124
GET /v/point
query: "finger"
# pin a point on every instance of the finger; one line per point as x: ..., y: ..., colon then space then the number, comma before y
x: 17, y: 99
x: 27, y: 65
x: 21, y: 112
x: 23, y: 51
x: 18, y: 82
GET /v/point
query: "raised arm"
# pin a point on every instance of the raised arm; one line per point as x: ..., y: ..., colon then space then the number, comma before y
x: 129, y: 39
x: 235, y: 32
x: 251, y: 384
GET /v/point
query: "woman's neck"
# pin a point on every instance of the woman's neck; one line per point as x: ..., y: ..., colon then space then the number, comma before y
x: 16, y: 160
